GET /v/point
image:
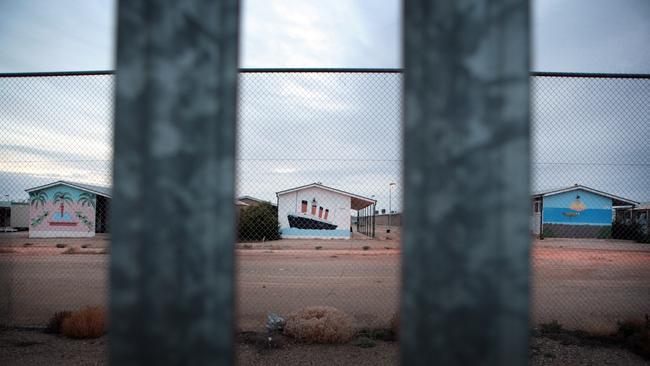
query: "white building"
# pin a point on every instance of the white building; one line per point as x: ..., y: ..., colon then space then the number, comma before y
x: 318, y: 211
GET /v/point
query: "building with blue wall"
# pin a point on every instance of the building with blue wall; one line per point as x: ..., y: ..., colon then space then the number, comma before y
x: 575, y: 212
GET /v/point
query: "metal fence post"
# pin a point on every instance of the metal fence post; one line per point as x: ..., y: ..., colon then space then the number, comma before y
x: 173, y: 210
x: 465, y: 264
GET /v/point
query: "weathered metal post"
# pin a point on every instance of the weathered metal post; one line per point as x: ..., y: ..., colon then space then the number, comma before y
x: 173, y: 211
x: 466, y: 250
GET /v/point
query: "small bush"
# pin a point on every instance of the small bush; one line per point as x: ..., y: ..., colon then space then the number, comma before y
x: 386, y: 335
x: 365, y: 247
x: 73, y: 250
x: 636, y: 335
x: 85, y: 246
x: 61, y: 246
x: 28, y: 244
x: 259, y: 222
x: 629, y: 327
x: 364, y: 342
x: 550, y: 328
x: 89, y: 322
x: 604, y: 233
x: 394, y: 324
x: 54, y: 325
x: 319, y: 324
x: 318, y: 247
x: 548, y: 233
x: 630, y: 231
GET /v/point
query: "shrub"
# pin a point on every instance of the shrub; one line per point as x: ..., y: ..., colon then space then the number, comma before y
x: 386, y: 335
x: 627, y: 231
x: 89, y: 322
x: 629, y: 327
x: 54, y: 324
x: 365, y: 247
x: 548, y: 233
x: 318, y: 247
x: 61, y: 246
x: 550, y: 328
x: 259, y: 222
x: 394, y: 324
x: 319, y: 324
x: 604, y: 233
x: 636, y: 335
x: 364, y: 342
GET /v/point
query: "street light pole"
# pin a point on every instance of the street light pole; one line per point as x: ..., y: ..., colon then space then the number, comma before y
x: 390, y: 203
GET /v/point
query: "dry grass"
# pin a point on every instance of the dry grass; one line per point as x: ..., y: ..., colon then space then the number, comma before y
x: 54, y: 325
x: 394, y: 323
x: 75, y: 250
x: 320, y: 324
x: 89, y: 322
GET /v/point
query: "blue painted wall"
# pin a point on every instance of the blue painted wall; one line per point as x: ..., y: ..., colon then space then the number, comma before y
x: 295, y: 232
x: 597, y: 210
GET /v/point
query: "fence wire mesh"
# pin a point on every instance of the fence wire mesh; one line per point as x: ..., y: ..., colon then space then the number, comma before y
x: 319, y: 196
x: 590, y: 164
x: 54, y: 128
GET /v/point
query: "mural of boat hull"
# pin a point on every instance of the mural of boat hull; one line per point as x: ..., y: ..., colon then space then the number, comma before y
x: 302, y: 222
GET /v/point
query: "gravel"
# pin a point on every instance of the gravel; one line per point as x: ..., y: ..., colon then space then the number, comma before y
x: 21, y: 347
x: 547, y: 352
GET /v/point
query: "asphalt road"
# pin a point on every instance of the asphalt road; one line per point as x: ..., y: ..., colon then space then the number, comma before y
x: 580, y: 288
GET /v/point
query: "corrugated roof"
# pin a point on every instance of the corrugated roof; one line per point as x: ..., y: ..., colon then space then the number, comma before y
x: 618, y: 200
x: 358, y: 202
x: 100, y: 190
x: 255, y: 199
x: 643, y: 206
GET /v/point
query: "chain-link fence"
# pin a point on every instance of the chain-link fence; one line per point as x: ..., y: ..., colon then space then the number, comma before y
x: 324, y: 150
x: 319, y: 195
x: 591, y: 188
x: 55, y: 175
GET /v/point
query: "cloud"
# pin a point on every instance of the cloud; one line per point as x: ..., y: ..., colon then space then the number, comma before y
x: 296, y: 33
x: 591, y: 36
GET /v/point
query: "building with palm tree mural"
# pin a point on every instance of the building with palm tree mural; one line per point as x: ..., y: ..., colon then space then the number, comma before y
x: 68, y: 209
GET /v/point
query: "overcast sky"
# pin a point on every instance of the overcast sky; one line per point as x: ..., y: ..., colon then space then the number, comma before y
x: 349, y: 138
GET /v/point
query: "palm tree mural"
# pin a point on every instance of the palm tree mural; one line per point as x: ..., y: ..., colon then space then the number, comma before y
x: 86, y: 199
x: 38, y: 198
x: 62, y: 198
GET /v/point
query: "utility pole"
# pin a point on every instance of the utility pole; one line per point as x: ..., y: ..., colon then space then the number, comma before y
x: 390, y: 202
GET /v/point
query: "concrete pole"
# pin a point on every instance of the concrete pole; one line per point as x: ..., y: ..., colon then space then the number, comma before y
x: 466, y: 242
x: 172, y: 211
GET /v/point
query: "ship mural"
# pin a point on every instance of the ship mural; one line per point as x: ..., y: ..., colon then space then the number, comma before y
x: 316, y: 219
x: 576, y: 207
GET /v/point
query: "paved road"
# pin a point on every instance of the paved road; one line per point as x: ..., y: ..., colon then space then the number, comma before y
x: 365, y: 285
x: 578, y: 287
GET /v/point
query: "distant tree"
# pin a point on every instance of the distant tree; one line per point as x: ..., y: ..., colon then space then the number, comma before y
x: 259, y: 222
